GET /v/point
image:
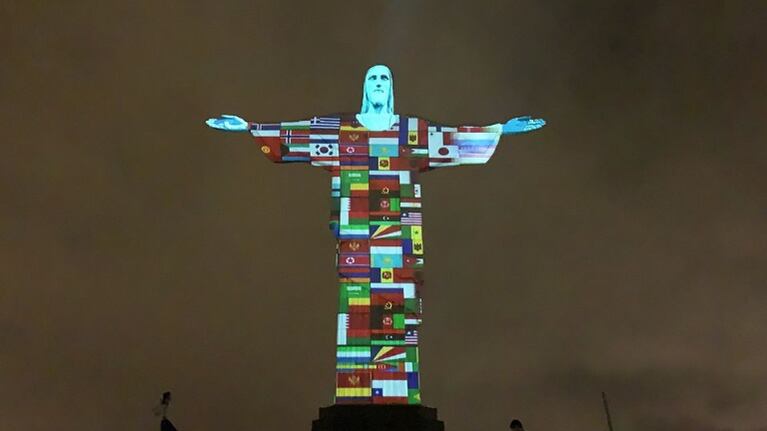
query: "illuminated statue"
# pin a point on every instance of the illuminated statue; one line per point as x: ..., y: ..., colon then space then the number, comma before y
x: 375, y: 158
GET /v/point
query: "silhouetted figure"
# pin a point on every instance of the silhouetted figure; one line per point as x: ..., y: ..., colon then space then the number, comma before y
x: 166, y: 425
x: 162, y: 408
x: 516, y: 425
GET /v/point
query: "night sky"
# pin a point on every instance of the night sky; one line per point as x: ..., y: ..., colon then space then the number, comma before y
x: 623, y: 248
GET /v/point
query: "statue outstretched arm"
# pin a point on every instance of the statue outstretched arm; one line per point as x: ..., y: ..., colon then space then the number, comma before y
x: 312, y: 141
x: 522, y: 125
x: 473, y: 145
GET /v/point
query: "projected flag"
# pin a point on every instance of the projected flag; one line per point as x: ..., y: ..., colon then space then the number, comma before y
x: 377, y: 219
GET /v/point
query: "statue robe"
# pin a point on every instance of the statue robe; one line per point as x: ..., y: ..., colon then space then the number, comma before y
x: 376, y: 218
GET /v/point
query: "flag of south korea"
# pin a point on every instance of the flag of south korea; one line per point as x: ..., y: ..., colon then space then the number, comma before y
x: 324, y: 150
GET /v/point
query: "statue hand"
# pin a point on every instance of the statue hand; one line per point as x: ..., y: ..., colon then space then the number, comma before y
x: 229, y: 123
x: 523, y: 124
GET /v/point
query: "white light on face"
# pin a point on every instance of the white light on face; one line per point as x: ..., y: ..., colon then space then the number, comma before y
x: 378, y: 85
x: 378, y: 91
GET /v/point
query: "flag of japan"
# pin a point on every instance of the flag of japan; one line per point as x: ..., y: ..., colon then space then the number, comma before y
x: 439, y: 149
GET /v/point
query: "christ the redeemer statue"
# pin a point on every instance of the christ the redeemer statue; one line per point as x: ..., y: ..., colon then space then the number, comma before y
x: 375, y: 158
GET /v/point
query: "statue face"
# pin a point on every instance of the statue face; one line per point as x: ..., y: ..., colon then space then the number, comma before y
x: 378, y: 85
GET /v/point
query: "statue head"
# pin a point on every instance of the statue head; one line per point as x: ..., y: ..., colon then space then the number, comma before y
x: 378, y: 91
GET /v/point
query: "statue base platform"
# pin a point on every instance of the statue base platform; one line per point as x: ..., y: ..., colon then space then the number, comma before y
x: 377, y: 417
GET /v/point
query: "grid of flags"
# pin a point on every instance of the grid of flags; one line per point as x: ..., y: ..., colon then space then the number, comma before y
x: 376, y: 217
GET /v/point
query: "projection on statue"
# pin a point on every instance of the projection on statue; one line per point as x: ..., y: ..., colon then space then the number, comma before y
x: 375, y: 158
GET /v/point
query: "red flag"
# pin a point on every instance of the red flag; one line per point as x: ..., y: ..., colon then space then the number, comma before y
x: 353, y: 379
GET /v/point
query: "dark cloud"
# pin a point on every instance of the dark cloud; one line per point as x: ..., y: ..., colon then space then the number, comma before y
x: 685, y: 424
x: 622, y: 249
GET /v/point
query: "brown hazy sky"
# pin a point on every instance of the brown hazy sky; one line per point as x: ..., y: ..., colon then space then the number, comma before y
x: 621, y: 249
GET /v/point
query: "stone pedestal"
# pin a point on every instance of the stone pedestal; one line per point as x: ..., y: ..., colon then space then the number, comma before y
x: 371, y: 417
